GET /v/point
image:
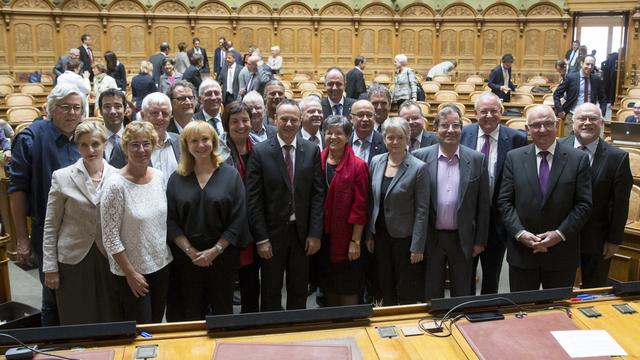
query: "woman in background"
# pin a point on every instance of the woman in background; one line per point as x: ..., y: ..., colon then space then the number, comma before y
x: 143, y: 83
x: 116, y: 70
x: 182, y: 59
x: 405, y: 87
x: 275, y: 60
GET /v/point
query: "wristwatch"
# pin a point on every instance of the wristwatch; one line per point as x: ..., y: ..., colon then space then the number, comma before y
x: 218, y: 248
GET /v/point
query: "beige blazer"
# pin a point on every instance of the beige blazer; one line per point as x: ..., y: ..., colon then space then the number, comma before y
x: 72, y: 223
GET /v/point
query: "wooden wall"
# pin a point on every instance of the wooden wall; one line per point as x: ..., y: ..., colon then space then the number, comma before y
x: 38, y: 31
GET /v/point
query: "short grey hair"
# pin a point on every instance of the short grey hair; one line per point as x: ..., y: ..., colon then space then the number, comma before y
x: 308, y: 100
x: 207, y: 84
x: 253, y: 96
x: 379, y: 89
x: 487, y: 95
x: 402, y: 59
x: 155, y: 98
x: 446, y: 110
x: 338, y: 120
x: 60, y: 92
x: 540, y: 108
x: 396, y: 123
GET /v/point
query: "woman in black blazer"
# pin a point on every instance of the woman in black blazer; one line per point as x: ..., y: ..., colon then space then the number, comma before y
x: 143, y: 84
x: 116, y: 70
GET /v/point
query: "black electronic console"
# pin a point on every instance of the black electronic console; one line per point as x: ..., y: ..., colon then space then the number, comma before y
x: 625, y: 287
x: 506, y: 299
x: 100, y: 331
x: 253, y: 320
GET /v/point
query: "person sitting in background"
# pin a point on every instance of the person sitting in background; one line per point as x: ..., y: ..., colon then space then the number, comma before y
x: 143, y: 84
x: 443, y: 68
x: 635, y: 118
x: 275, y: 60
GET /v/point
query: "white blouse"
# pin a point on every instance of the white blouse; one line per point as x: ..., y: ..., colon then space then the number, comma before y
x: 134, y: 219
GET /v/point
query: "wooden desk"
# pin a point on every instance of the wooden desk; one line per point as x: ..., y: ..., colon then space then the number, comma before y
x: 191, y: 340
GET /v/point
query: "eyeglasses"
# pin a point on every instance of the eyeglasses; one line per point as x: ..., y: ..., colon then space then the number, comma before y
x: 67, y: 108
x: 361, y: 115
x: 582, y: 119
x: 449, y: 126
x: 547, y: 125
x: 183, y: 99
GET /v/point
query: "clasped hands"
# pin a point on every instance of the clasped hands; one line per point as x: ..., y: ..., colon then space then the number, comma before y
x: 203, y: 258
x: 505, y: 89
x: 541, y: 242
x: 265, y: 250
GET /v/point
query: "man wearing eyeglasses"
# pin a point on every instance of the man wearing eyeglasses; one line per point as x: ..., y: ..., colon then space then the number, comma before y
x: 493, y: 140
x: 365, y: 142
x: 459, y: 213
x: 545, y: 200
x: 183, y: 104
x: 39, y: 150
x: 611, y: 184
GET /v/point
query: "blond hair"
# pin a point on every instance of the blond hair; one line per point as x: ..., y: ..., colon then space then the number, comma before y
x: 195, y: 128
x: 136, y: 128
x: 90, y: 127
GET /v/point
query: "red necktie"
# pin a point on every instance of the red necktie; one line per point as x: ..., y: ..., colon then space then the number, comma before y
x: 586, y: 90
x: 289, y: 163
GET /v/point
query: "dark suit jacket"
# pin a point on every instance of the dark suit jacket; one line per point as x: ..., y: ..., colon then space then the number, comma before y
x: 566, y: 206
x: 157, y: 59
x: 222, y: 79
x: 632, y: 119
x: 205, y: 60
x: 200, y: 116
x: 218, y: 61
x: 496, y: 80
x: 85, y: 61
x: 172, y: 128
x: 428, y: 138
x: 508, y: 140
x: 192, y: 75
x: 377, y: 145
x: 141, y: 86
x: 346, y: 107
x: 473, y: 198
x: 570, y: 90
x: 611, y: 182
x: 355, y: 84
x: 271, y: 198
x: 118, y: 158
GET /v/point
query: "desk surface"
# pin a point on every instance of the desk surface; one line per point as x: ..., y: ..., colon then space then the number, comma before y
x: 191, y: 341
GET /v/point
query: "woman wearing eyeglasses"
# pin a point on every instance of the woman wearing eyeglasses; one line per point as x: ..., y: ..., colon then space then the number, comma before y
x: 398, y: 218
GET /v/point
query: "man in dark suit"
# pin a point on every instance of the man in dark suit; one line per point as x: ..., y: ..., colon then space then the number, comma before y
x: 259, y: 130
x: 228, y: 78
x: 500, y: 80
x: 112, y: 104
x: 356, y: 87
x: 219, y: 55
x: 572, y: 54
x: 210, y: 95
x: 183, y: 104
x: 494, y: 140
x: 157, y: 60
x: 574, y: 88
x: 285, y: 192
x: 545, y: 200
x: 156, y: 109
x: 611, y: 184
x: 635, y: 118
x: 196, y: 49
x: 459, y: 210
x: 252, y: 77
x: 561, y: 68
x: 86, y: 55
x: 192, y: 74
x: 236, y: 53
x: 380, y: 98
x: 420, y: 137
x: 335, y: 103
x: 312, y: 121
x: 365, y: 142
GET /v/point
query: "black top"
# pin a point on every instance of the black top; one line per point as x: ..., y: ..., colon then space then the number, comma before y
x: 331, y: 172
x: 206, y: 215
x: 386, y: 181
x: 120, y: 75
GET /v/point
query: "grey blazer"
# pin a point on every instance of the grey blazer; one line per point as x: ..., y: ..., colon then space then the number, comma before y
x: 473, y: 197
x: 406, y: 203
x: 72, y: 224
x: 260, y: 80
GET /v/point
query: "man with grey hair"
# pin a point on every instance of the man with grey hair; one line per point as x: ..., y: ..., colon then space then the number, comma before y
x: 273, y: 95
x: 544, y: 200
x: 156, y: 109
x: 210, y: 94
x: 459, y: 213
x: 335, y: 103
x: 312, y: 120
x: 611, y: 184
x: 494, y: 140
x: 183, y: 103
x: 39, y: 150
x: 420, y: 137
x: 61, y: 65
x: 252, y: 77
x: 380, y: 97
x: 259, y: 130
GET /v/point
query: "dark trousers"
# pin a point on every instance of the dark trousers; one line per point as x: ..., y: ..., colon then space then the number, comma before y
x: 594, y: 270
x: 49, y: 309
x: 249, y: 276
x: 490, y: 259
x: 447, y: 251
x: 400, y: 281
x: 288, y: 257
x: 530, y: 279
x: 146, y: 309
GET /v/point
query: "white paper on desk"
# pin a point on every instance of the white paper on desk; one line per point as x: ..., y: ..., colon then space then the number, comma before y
x: 587, y: 343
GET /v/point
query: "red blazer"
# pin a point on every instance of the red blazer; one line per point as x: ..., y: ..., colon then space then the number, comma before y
x: 346, y: 202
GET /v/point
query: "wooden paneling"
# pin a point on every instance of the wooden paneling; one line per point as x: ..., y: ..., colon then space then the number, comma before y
x: 312, y: 38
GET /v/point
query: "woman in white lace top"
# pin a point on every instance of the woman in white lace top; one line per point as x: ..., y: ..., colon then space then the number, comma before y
x: 134, y: 228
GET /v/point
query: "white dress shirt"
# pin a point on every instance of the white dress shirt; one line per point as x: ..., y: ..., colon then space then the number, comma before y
x: 164, y: 159
x: 493, y: 155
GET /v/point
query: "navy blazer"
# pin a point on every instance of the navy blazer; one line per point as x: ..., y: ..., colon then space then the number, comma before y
x: 570, y: 90
x: 192, y: 75
x: 377, y: 145
x: 346, y: 107
x: 356, y: 85
x: 205, y: 59
x: 632, y: 119
x: 508, y: 140
x: 496, y: 80
x: 141, y: 86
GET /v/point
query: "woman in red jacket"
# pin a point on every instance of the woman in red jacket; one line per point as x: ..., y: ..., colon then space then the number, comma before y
x: 345, y: 214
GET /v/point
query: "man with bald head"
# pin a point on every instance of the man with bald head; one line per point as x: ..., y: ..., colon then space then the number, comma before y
x: 61, y: 65
x: 252, y: 77
x: 611, y: 184
x: 545, y: 200
x: 335, y: 103
x: 494, y: 140
x: 365, y: 142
